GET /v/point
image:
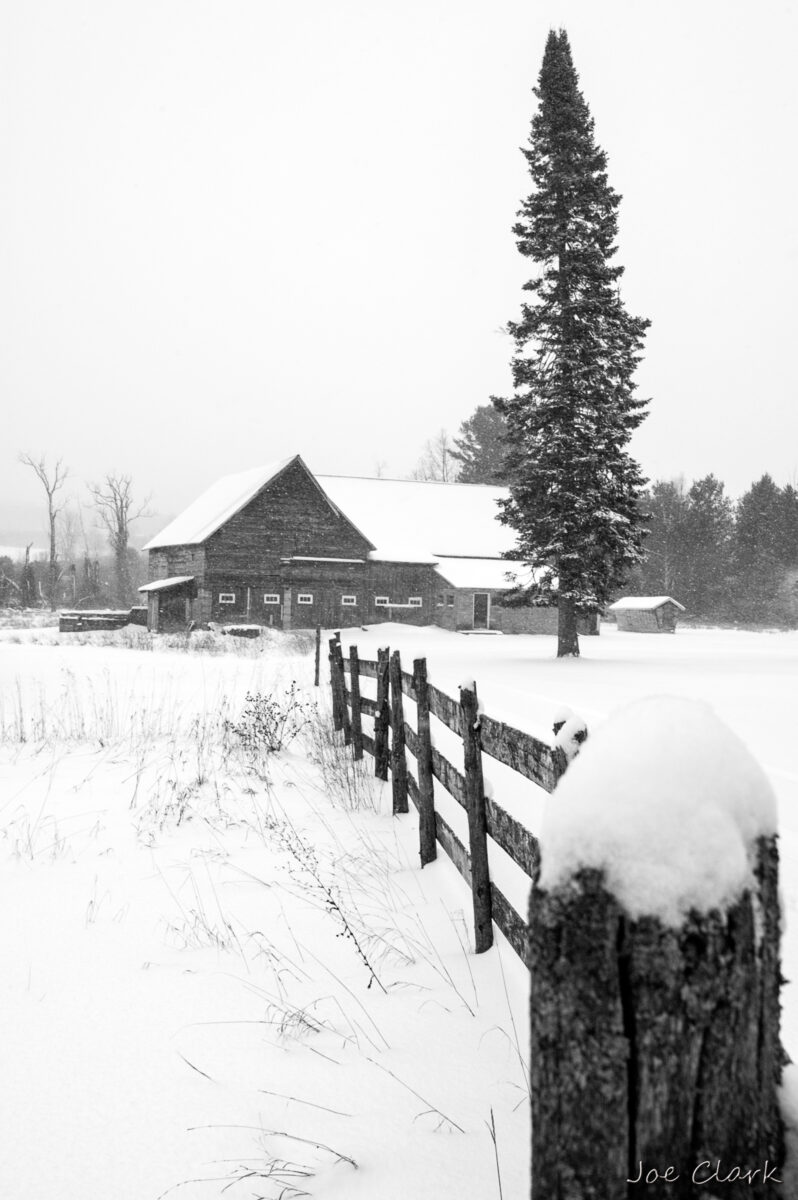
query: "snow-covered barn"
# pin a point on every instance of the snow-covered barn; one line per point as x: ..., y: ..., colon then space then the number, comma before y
x: 646, y: 614
x: 281, y: 546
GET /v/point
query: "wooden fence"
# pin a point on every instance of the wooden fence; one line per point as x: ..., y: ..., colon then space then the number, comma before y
x: 394, y: 738
x: 655, y: 1051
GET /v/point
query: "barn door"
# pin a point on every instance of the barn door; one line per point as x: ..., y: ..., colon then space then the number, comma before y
x: 481, y: 610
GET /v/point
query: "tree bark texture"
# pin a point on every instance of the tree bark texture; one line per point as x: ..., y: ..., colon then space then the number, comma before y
x: 567, y: 634
x: 655, y: 1048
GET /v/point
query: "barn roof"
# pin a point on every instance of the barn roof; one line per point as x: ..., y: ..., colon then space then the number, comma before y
x: 217, y: 505
x: 647, y: 603
x: 413, y: 521
x: 405, y: 520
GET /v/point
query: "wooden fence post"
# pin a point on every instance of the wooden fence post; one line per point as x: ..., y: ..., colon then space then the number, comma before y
x: 346, y: 723
x: 354, y: 691
x: 318, y: 656
x: 398, y: 756
x: 428, y: 845
x: 382, y: 717
x: 655, y: 1054
x: 477, y: 827
x: 653, y: 1045
x: 335, y: 688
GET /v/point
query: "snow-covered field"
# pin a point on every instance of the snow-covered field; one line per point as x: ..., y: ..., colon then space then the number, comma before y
x: 221, y: 972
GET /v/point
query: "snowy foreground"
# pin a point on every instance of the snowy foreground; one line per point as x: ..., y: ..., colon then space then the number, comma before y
x: 226, y: 972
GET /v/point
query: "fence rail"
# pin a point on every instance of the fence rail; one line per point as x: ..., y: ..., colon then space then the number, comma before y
x: 395, y: 738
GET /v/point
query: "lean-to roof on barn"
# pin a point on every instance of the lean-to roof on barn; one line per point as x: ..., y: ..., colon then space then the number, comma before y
x: 484, y: 574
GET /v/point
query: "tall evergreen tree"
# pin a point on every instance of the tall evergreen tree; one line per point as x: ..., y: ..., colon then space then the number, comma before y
x: 789, y: 526
x: 666, y: 544
x: 707, y: 560
x: 761, y: 549
x: 574, y: 487
x: 480, y: 448
x: 759, y: 523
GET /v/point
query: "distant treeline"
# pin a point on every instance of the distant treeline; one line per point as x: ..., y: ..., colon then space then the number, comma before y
x: 85, y: 583
x: 724, y: 561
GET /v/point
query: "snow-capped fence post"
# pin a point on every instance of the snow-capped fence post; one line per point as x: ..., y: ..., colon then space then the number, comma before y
x: 354, y: 691
x: 477, y: 823
x: 381, y: 717
x: 398, y: 757
x: 428, y: 846
x: 655, y: 1056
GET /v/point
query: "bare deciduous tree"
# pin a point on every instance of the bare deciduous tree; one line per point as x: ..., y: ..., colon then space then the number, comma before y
x: 52, y: 480
x: 117, y: 510
x: 436, y: 462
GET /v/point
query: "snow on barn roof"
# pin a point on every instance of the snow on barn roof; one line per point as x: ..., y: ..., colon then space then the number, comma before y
x: 413, y: 521
x: 644, y: 602
x: 490, y: 574
x: 406, y: 520
x: 218, y: 504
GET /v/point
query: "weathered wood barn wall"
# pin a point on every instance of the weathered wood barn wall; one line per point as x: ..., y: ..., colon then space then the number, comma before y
x: 280, y: 546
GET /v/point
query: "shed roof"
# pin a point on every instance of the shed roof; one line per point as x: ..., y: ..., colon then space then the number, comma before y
x: 648, y: 603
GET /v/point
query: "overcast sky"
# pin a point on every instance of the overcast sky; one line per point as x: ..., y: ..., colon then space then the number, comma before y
x: 236, y: 230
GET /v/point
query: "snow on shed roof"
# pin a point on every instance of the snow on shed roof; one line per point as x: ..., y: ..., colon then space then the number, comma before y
x: 644, y: 602
x: 413, y: 521
x: 218, y: 504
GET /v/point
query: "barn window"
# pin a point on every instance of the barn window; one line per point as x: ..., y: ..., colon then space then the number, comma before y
x: 305, y: 598
x: 439, y: 601
x: 349, y: 599
x: 227, y: 597
x: 415, y: 602
x: 381, y: 601
x: 450, y: 599
x: 271, y: 598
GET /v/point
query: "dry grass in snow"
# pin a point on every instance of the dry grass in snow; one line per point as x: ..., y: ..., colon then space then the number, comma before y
x: 224, y: 972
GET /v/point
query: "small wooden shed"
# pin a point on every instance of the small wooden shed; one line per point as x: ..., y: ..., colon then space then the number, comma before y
x: 646, y: 614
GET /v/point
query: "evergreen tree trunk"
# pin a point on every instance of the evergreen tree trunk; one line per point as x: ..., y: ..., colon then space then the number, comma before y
x: 567, y: 636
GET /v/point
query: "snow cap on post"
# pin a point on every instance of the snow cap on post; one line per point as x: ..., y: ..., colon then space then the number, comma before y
x: 570, y: 735
x: 669, y: 803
